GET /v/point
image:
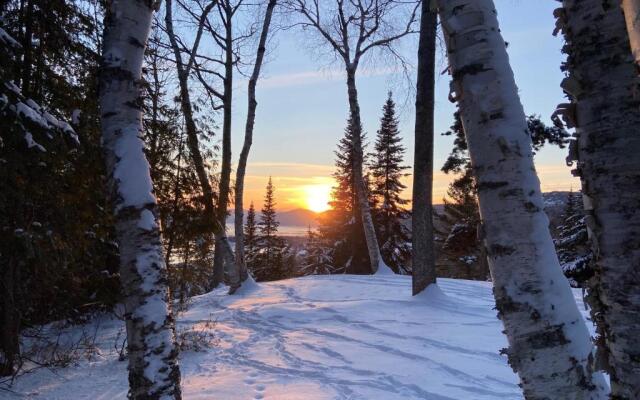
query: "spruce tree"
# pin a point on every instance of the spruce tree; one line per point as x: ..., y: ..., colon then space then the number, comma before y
x: 269, y: 261
x: 341, y: 226
x: 317, y: 256
x: 250, y: 237
x: 572, y: 243
x: 55, y: 223
x: 386, y: 170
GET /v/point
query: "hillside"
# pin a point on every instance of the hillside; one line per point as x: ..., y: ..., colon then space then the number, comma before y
x: 321, y: 337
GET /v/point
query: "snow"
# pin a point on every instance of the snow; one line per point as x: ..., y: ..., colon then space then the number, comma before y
x: 75, y: 116
x: 132, y: 170
x: 6, y: 38
x: 383, y: 269
x: 147, y: 221
x: 63, y: 126
x: 28, y: 137
x: 32, y: 114
x: 315, y: 338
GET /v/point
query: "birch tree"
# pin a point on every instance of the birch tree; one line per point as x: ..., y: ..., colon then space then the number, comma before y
x: 229, y: 39
x: 153, y: 363
x: 549, y: 344
x: 184, y: 71
x: 631, y: 9
x: 602, y: 85
x: 241, y: 264
x: 423, y: 254
x: 353, y: 29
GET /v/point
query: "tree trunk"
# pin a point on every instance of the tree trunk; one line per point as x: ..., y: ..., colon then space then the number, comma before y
x: 603, y: 88
x: 153, y: 356
x: 194, y: 147
x: 631, y: 9
x: 423, y: 264
x: 359, y: 183
x: 549, y: 344
x: 10, y: 318
x: 27, y: 48
x: 225, y: 171
x: 241, y: 264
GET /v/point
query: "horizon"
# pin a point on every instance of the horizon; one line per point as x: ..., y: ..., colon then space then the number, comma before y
x: 230, y: 217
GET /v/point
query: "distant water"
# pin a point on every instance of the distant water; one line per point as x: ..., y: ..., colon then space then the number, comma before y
x: 283, y: 230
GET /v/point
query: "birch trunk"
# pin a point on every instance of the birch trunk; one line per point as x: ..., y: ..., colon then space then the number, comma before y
x: 153, y: 356
x: 359, y: 183
x: 423, y: 264
x: 631, y: 9
x: 549, y: 345
x: 241, y: 264
x: 604, y: 90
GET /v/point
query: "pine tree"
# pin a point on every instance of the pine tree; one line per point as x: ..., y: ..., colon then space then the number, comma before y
x: 250, y: 237
x: 461, y: 254
x: 341, y: 226
x: 270, y: 249
x: 186, y: 236
x: 386, y: 170
x: 572, y: 244
x: 72, y: 252
x: 317, y: 256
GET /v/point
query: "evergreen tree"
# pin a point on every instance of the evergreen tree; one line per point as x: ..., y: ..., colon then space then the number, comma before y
x: 341, y: 226
x: 572, y: 244
x: 186, y: 237
x: 251, y: 237
x: 317, y: 256
x: 389, y: 214
x: 270, y: 250
x: 56, y: 236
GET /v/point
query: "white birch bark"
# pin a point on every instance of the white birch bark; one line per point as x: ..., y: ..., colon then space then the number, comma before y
x: 153, y: 362
x: 377, y: 265
x: 631, y: 10
x: 603, y: 87
x: 241, y: 264
x: 549, y: 345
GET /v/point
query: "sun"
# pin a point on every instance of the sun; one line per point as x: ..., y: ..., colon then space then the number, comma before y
x: 317, y: 197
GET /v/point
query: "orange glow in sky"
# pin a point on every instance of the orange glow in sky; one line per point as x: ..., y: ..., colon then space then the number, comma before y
x: 309, y: 186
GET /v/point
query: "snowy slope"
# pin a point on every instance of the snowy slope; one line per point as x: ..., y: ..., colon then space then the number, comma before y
x: 321, y: 337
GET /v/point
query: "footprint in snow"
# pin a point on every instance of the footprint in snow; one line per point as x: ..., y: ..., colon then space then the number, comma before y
x: 258, y: 388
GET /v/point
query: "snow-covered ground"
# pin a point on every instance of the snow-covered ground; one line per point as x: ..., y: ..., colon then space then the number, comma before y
x: 322, y: 337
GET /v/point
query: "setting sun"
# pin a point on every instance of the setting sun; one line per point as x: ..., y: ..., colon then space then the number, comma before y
x: 317, y: 197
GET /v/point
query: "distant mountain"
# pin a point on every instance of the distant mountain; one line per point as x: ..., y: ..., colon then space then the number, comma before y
x: 293, y: 218
x: 553, y: 204
x: 298, y: 217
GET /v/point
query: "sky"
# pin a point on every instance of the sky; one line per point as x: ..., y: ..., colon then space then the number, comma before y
x: 302, y: 108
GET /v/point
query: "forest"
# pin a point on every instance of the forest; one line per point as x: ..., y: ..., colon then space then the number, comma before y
x: 145, y: 241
